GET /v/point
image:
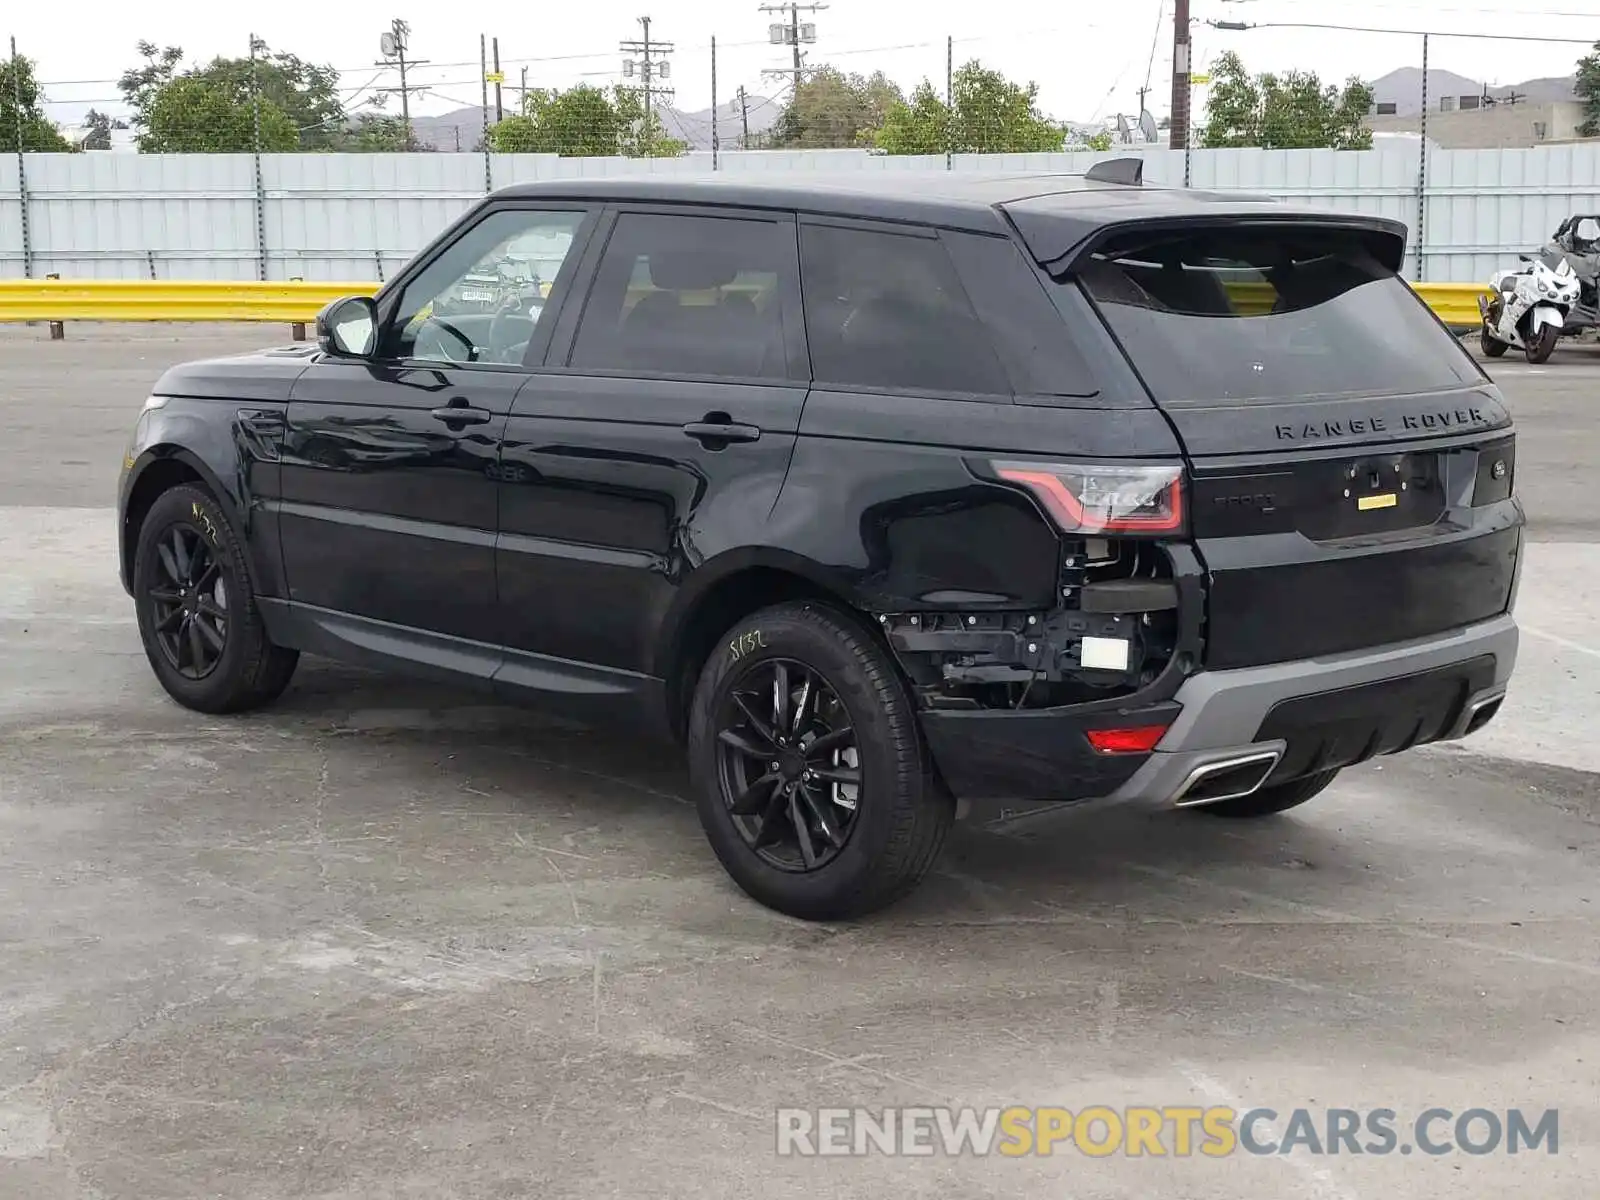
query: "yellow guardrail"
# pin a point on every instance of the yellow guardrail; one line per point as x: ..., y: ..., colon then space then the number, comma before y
x: 287, y: 301
x: 1456, y: 304
x: 296, y: 302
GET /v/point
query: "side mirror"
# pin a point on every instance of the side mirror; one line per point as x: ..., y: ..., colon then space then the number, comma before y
x: 348, y: 328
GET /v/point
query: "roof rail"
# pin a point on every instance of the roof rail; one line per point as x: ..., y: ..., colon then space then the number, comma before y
x: 1129, y: 171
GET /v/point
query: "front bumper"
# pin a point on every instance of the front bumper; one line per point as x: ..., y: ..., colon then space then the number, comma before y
x: 1231, y: 732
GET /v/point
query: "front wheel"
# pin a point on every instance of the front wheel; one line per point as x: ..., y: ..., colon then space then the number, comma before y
x: 1267, y: 801
x: 809, y: 771
x: 1492, y: 346
x: 1543, y: 344
x: 196, y: 608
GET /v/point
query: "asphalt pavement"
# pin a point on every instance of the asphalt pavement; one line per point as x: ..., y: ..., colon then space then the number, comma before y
x: 384, y: 941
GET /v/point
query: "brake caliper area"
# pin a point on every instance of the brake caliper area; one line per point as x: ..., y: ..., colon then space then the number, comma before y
x: 1113, y: 633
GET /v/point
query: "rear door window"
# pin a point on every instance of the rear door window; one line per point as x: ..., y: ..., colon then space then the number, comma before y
x: 1236, y: 316
x: 885, y: 310
x: 696, y: 296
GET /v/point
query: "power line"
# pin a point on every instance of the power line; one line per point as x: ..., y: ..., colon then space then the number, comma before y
x: 1498, y: 12
x: 1155, y: 41
x: 1244, y: 27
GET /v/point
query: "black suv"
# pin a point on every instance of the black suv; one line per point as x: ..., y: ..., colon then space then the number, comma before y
x: 888, y: 498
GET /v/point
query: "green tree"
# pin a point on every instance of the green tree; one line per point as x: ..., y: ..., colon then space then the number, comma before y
x: 1289, y: 112
x: 642, y: 135
x: 1587, y: 89
x: 989, y: 114
x: 302, y: 94
x: 831, y: 110
x: 919, y: 126
x: 1098, y: 141
x: 97, y: 130
x: 378, y: 134
x: 196, y: 115
x: 584, y: 121
x: 24, y: 126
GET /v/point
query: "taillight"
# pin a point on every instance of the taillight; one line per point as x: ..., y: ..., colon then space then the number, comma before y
x: 1098, y: 498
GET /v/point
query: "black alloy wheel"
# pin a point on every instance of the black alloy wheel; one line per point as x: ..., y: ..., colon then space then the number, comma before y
x: 788, y: 764
x: 189, y: 602
x: 195, y: 600
x: 811, y: 777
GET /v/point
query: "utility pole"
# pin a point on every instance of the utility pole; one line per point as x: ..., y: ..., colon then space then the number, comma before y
x: 650, y: 66
x: 499, y: 108
x: 1179, y: 134
x: 393, y: 46
x: 793, y: 35
x: 744, y: 118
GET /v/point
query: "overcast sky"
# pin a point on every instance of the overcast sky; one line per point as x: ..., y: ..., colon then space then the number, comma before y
x: 1088, y: 65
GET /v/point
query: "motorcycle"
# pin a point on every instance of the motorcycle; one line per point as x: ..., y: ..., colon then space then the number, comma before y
x: 492, y: 286
x: 1527, y: 308
x: 1577, y: 242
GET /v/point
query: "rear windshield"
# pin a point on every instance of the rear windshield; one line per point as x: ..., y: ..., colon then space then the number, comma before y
x: 1241, y: 316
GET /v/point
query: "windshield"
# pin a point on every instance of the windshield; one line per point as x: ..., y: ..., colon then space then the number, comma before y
x: 1217, y: 315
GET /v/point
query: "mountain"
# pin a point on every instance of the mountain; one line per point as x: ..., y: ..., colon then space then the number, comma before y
x: 462, y: 128
x: 695, y: 127
x: 1403, y: 89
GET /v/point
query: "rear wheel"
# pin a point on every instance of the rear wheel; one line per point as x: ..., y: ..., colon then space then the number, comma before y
x: 1492, y: 346
x: 1543, y: 344
x: 809, y: 771
x: 1270, y: 800
x: 196, y: 609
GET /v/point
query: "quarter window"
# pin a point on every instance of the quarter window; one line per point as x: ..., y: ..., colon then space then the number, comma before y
x: 887, y: 311
x: 688, y: 295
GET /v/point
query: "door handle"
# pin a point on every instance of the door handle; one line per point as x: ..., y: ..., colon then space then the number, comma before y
x: 461, y: 415
x: 708, y: 432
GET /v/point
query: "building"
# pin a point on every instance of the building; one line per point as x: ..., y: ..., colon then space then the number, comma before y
x: 1466, y: 122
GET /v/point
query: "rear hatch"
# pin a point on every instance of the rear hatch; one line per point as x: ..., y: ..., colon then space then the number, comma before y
x: 1350, y: 464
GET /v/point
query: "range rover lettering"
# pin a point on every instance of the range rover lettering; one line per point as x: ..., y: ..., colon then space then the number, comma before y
x: 889, y: 499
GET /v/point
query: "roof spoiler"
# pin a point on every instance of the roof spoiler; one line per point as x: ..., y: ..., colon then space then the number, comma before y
x: 1128, y: 171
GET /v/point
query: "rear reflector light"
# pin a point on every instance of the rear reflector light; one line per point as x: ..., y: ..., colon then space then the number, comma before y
x: 1091, y: 498
x: 1140, y: 740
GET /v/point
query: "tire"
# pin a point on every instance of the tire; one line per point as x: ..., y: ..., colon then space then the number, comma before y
x: 1491, y: 345
x: 1544, y: 345
x: 867, y: 855
x: 1272, y: 800
x: 248, y: 671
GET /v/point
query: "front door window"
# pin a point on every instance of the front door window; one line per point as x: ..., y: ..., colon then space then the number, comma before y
x: 482, y: 299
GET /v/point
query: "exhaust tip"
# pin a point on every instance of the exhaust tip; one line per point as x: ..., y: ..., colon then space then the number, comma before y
x: 1228, y: 778
x: 1481, y: 713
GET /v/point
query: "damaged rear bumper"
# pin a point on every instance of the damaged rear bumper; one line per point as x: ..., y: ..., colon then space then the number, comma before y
x: 1232, y: 732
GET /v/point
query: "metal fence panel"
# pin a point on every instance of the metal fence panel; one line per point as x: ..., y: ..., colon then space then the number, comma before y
x: 1486, y: 206
x: 360, y: 216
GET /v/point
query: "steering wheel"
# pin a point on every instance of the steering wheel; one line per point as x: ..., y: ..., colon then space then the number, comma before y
x: 472, y: 349
x: 499, y: 337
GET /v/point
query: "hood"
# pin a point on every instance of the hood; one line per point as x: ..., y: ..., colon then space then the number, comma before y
x: 261, y: 377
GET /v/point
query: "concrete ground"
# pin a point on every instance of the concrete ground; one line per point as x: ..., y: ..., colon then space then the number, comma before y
x: 384, y: 942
